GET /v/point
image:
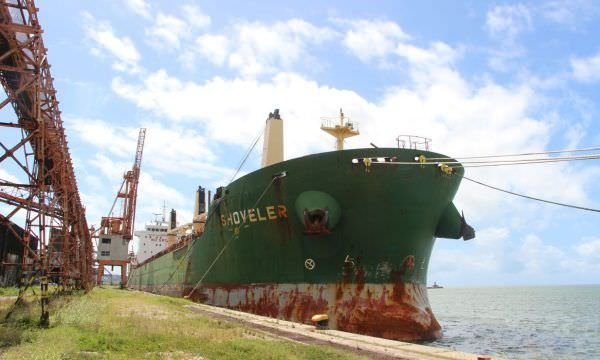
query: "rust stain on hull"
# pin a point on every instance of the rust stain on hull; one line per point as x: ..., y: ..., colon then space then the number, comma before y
x: 398, y: 311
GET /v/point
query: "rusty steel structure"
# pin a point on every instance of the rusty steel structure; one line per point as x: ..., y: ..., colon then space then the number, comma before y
x: 123, y: 224
x: 38, y: 188
x: 116, y: 229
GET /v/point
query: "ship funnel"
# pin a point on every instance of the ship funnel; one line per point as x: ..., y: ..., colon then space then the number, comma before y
x: 173, y: 220
x: 200, y: 211
x: 200, y: 205
x: 273, y: 140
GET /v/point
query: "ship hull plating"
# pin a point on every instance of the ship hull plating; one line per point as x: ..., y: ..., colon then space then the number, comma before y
x: 321, y: 235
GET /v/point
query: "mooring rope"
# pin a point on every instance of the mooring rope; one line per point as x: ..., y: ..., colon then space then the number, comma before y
x: 239, y: 167
x: 456, y: 163
x: 531, y: 197
x: 188, y: 252
x: 522, y: 154
x: 235, y: 235
x: 260, y: 134
x: 368, y: 162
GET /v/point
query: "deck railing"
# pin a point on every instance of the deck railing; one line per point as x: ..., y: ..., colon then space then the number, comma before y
x: 413, y: 142
x: 334, y: 122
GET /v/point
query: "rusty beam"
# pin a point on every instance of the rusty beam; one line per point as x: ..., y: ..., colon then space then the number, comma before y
x: 55, y: 214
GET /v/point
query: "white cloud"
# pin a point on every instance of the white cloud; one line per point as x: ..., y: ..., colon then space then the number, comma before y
x: 586, y: 69
x: 6, y: 176
x: 153, y: 192
x: 438, y: 54
x: 110, y: 168
x: 497, y: 257
x: 558, y: 11
x: 504, y: 23
x: 488, y: 253
x: 444, y: 107
x: 121, y: 49
x: 214, y: 48
x: 256, y: 48
x: 119, y: 141
x: 172, y: 150
x: 370, y: 40
x: 150, y: 196
x: 170, y: 31
x: 140, y: 7
x: 539, y: 257
x: 195, y: 17
x: 266, y: 48
x: 178, y: 152
x: 569, y: 12
x: 167, y: 31
x: 464, y: 118
x: 304, y: 102
x: 507, y: 21
x: 586, y: 259
x: 385, y: 43
x: 590, y: 248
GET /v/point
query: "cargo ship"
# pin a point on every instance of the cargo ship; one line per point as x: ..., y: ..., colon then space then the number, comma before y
x: 344, y: 236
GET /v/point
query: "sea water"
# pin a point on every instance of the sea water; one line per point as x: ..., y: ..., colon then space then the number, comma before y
x: 529, y: 322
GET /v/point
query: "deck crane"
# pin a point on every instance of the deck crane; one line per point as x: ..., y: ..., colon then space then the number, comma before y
x: 117, y: 230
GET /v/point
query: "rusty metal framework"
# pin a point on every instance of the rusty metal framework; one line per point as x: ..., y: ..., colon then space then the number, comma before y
x: 37, y: 182
x: 121, y: 226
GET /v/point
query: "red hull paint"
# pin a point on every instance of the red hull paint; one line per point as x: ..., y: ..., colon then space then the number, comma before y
x: 398, y: 311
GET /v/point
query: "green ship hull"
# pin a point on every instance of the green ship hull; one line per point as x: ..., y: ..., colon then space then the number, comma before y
x: 329, y: 233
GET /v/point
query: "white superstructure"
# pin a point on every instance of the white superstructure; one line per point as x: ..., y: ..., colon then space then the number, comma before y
x: 152, y: 239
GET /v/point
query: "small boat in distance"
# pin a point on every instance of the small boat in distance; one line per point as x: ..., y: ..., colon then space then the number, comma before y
x: 435, y: 286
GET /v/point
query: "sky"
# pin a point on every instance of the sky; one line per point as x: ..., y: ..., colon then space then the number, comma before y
x: 477, y: 77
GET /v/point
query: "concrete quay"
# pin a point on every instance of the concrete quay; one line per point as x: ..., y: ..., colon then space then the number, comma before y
x: 369, y: 346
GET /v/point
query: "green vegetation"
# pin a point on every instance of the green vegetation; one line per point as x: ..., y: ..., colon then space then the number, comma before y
x: 9, y: 291
x: 119, y: 324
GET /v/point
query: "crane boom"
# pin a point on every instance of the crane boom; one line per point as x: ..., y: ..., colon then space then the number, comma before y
x: 123, y: 225
x: 133, y: 178
x: 117, y: 230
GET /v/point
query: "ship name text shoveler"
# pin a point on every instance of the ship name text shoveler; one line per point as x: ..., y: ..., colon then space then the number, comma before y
x: 272, y: 212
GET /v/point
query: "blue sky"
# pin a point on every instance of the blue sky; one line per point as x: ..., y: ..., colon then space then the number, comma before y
x: 477, y: 77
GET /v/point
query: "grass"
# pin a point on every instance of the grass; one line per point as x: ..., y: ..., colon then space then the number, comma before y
x: 119, y: 324
x: 9, y: 291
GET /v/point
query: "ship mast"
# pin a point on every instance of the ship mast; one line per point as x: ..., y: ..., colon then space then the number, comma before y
x: 340, y: 128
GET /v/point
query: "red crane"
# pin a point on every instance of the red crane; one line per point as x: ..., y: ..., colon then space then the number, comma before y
x: 123, y: 224
x: 117, y: 230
